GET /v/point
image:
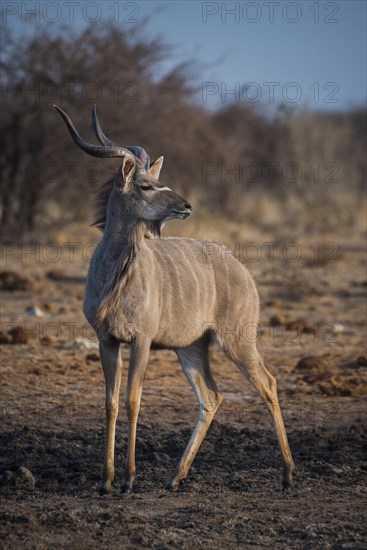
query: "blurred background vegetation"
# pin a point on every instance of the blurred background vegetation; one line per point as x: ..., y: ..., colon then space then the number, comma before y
x: 301, y: 169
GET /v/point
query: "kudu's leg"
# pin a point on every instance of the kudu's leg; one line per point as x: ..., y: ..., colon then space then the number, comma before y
x: 251, y: 365
x: 139, y: 356
x: 195, y: 364
x: 111, y: 363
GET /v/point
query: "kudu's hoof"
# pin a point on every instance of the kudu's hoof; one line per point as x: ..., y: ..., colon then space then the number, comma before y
x: 127, y: 489
x: 287, y: 484
x: 288, y: 479
x: 174, y: 484
x: 104, y: 488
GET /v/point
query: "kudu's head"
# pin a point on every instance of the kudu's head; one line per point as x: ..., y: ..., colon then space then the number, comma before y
x: 136, y: 192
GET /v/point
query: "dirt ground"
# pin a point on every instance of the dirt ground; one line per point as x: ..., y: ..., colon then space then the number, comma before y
x: 52, y: 428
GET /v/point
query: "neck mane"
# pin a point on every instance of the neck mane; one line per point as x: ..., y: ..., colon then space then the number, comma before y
x: 123, y: 236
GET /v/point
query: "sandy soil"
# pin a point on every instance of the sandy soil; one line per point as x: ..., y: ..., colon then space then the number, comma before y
x: 53, y: 421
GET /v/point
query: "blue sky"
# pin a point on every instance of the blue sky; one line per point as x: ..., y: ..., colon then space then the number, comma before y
x: 302, y: 52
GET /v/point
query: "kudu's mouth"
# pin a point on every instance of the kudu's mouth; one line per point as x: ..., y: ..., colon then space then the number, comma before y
x: 182, y: 214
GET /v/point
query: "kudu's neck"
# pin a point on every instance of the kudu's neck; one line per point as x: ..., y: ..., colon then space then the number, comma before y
x: 123, y: 233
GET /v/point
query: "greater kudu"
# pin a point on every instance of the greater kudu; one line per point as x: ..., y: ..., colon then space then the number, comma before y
x: 165, y: 293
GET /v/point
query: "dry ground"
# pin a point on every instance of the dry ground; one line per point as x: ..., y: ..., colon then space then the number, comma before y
x: 53, y: 421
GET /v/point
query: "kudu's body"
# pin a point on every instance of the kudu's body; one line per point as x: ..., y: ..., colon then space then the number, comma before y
x: 167, y: 293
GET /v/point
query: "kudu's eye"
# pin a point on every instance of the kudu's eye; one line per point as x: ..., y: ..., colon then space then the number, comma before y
x: 146, y: 187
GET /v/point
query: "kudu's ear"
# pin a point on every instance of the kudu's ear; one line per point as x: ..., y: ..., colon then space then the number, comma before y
x: 128, y: 168
x: 155, y: 168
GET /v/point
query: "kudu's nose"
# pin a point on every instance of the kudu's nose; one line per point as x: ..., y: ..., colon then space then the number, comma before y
x: 188, y: 206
